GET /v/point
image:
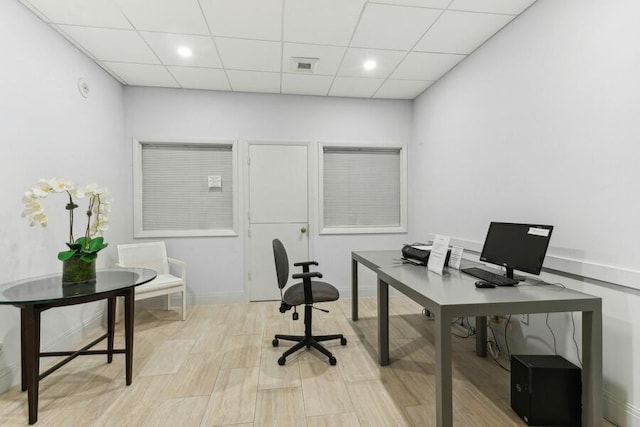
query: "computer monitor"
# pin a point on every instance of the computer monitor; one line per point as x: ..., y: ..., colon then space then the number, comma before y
x: 516, y: 246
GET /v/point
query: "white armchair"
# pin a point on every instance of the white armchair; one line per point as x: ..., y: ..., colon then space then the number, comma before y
x: 153, y: 255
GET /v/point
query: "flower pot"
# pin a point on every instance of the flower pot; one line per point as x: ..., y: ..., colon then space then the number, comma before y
x: 74, y: 270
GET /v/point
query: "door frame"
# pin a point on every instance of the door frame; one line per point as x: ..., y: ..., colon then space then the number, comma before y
x: 312, y: 198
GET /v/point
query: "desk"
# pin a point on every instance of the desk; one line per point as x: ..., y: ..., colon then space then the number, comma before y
x: 454, y: 295
x: 33, y: 296
x: 376, y: 260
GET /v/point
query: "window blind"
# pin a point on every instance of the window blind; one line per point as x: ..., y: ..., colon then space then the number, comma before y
x: 175, y: 191
x: 361, y: 187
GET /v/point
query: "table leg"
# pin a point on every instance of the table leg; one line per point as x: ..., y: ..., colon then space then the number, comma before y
x: 23, y: 354
x: 129, y: 302
x: 481, y: 336
x: 354, y: 289
x: 111, y: 326
x: 592, y: 367
x: 444, y: 390
x: 383, y: 323
x: 31, y: 335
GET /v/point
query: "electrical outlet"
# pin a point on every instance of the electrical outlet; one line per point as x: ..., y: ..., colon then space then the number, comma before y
x: 524, y: 318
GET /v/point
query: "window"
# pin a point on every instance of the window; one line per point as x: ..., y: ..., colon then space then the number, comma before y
x: 363, y: 189
x: 185, y: 188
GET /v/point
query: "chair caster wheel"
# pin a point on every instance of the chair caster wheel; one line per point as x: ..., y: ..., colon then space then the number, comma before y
x: 294, y: 316
x: 274, y: 342
x: 332, y: 361
x: 343, y: 341
x: 281, y: 361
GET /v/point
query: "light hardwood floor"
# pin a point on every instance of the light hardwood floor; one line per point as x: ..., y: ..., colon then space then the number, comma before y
x: 218, y: 368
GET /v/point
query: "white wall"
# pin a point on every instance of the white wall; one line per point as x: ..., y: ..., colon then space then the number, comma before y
x: 49, y: 130
x: 541, y: 125
x: 216, y: 264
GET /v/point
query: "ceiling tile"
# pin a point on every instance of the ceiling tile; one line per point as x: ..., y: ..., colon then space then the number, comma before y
x: 392, y: 27
x: 329, y: 57
x: 401, y: 89
x: 253, y: 55
x: 93, y: 13
x: 511, y: 7
x: 111, y: 45
x: 200, y: 78
x: 461, y: 32
x: 304, y: 84
x: 438, y: 4
x: 386, y: 60
x: 142, y: 74
x: 254, y: 81
x: 354, y: 87
x: 425, y: 66
x: 252, y: 19
x: 171, y: 16
x: 321, y: 21
x: 166, y: 45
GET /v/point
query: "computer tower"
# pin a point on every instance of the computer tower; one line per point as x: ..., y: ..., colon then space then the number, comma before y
x: 546, y: 390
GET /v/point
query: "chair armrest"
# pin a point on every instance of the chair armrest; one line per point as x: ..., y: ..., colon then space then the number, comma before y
x: 305, y: 263
x: 180, y: 265
x: 119, y: 265
x: 307, y: 275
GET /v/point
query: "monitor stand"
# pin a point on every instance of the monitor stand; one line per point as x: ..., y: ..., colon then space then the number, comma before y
x: 510, y: 275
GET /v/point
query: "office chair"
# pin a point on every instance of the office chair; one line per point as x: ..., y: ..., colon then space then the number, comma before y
x: 306, y: 292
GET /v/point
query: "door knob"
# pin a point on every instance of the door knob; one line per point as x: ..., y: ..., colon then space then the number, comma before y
x: 303, y: 230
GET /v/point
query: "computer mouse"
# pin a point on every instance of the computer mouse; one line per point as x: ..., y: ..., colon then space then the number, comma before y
x: 484, y: 284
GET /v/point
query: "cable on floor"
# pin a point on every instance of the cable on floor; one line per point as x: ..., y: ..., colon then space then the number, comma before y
x: 573, y: 335
x: 555, y: 348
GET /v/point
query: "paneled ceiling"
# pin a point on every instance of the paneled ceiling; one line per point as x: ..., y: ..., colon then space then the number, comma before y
x: 354, y: 48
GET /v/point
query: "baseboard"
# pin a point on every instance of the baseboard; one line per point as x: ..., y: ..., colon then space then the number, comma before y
x: 10, y: 375
x: 218, y: 298
x: 619, y: 412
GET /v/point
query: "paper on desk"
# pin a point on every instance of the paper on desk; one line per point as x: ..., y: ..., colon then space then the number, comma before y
x: 438, y: 253
x: 456, y: 257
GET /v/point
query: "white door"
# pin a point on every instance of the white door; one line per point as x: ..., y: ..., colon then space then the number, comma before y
x: 278, y: 208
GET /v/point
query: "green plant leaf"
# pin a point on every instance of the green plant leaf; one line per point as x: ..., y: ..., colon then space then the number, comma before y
x: 65, y: 255
x: 96, y: 244
x: 74, y: 246
x: 89, y: 257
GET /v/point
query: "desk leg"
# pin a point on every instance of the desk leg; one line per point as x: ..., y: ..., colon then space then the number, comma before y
x: 444, y: 390
x: 354, y: 289
x: 592, y: 367
x: 111, y: 326
x: 129, y: 302
x: 383, y: 323
x: 481, y: 336
x: 31, y: 356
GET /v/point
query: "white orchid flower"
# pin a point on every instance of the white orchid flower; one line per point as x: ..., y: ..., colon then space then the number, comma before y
x: 99, y: 204
x: 91, y: 189
x: 59, y: 185
x: 41, y: 189
x: 77, y: 192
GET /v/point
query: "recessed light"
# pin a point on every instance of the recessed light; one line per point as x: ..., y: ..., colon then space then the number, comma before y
x: 369, y: 65
x: 185, y: 51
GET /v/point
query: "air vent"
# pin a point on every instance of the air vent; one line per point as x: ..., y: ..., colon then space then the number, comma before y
x: 304, y: 65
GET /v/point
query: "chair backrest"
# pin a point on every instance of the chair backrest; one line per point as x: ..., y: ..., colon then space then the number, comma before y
x: 151, y: 255
x: 282, y: 263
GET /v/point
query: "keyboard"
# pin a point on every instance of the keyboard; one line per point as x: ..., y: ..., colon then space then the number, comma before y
x: 496, y: 279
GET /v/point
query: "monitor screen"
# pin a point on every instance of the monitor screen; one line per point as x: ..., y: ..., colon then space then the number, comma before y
x: 516, y: 246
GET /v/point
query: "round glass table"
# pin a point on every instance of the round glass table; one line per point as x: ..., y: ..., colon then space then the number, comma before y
x: 35, y: 295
